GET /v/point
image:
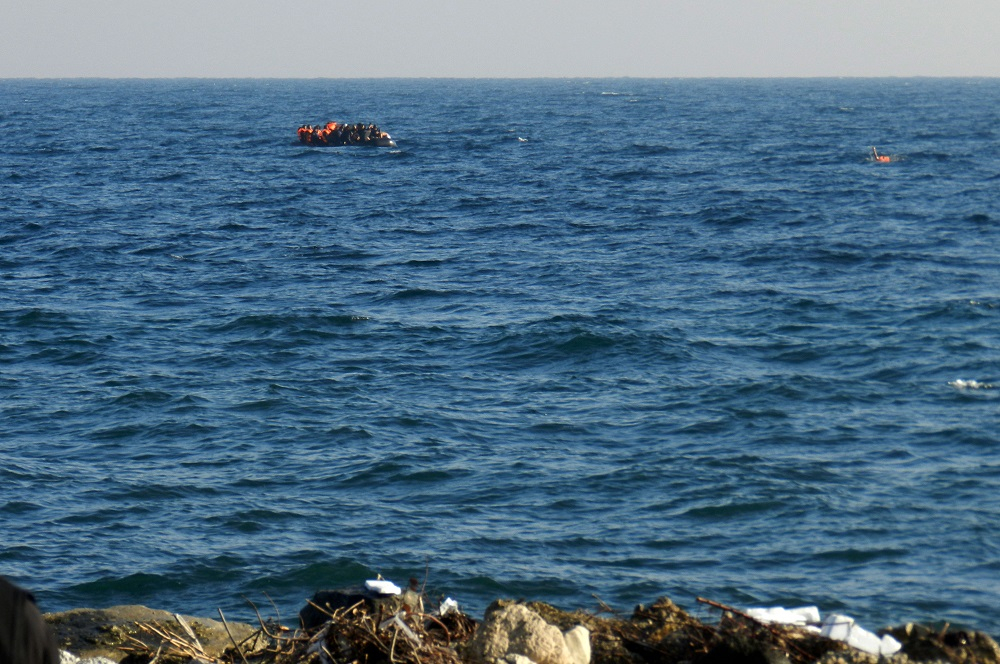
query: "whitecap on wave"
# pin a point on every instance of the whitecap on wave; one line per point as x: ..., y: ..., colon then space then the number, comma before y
x: 960, y: 384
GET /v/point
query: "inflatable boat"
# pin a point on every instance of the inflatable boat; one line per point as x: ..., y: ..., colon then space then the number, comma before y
x: 334, y: 134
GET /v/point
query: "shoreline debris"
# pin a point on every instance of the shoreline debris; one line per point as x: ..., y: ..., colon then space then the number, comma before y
x: 364, y: 625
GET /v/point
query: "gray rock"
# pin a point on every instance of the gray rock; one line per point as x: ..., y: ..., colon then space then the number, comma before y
x: 514, y: 629
x: 517, y: 659
x: 91, y: 633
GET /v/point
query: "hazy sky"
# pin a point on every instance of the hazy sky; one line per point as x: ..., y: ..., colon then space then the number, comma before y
x: 513, y: 38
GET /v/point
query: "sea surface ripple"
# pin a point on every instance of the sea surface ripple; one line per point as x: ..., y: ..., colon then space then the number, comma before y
x: 624, y: 338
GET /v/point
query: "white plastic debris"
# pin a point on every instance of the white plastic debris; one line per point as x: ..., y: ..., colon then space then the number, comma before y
x: 397, y: 621
x: 447, y: 606
x: 843, y: 628
x: 802, y: 615
x: 578, y: 644
x: 836, y: 626
x: 383, y: 587
x: 889, y: 646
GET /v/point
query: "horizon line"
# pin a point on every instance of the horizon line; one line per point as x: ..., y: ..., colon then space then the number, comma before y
x: 498, y: 78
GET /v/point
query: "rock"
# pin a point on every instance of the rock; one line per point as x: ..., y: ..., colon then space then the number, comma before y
x: 517, y: 659
x: 743, y: 650
x: 925, y: 643
x: 70, y: 658
x: 514, y: 629
x: 605, y: 639
x: 91, y: 633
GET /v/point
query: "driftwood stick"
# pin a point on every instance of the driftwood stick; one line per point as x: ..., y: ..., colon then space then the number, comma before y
x: 604, y: 607
x: 186, y: 648
x: 263, y: 626
x: 775, y: 632
x: 277, y: 613
x: 447, y: 633
x: 231, y: 638
x: 729, y: 609
x: 190, y: 632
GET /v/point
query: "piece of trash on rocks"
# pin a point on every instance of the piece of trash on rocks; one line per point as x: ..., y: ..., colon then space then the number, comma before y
x: 448, y: 606
x: 802, y: 616
x: 397, y: 621
x: 316, y: 646
x: 843, y: 628
x: 383, y: 587
x: 578, y: 643
x: 836, y: 626
x: 413, y: 598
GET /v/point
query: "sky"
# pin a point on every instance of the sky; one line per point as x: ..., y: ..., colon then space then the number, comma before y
x: 489, y: 39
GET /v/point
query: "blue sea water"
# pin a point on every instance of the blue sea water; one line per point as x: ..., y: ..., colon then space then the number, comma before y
x: 573, y: 338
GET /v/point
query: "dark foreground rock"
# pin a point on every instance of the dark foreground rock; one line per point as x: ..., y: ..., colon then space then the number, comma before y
x: 317, y: 612
x: 925, y: 643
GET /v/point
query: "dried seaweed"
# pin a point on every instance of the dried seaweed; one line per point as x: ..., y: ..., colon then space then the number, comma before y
x: 661, y: 633
x: 352, y: 635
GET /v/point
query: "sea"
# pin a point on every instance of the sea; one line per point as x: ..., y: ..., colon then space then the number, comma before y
x: 586, y: 341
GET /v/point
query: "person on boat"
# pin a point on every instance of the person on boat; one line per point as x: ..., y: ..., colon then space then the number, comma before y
x: 339, y: 133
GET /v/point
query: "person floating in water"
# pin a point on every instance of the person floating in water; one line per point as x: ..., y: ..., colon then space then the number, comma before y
x: 883, y: 158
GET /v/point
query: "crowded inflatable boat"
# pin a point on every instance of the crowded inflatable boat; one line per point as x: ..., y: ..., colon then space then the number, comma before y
x: 336, y: 133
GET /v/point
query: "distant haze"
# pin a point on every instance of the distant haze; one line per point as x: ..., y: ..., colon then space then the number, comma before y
x: 514, y: 38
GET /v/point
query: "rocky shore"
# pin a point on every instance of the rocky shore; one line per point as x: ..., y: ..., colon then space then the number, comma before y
x: 375, y: 625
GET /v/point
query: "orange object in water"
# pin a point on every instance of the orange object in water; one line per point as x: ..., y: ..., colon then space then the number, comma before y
x: 879, y: 157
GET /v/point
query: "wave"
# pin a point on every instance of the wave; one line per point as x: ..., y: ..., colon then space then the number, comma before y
x: 423, y: 293
x: 735, y: 509
x: 653, y: 149
x: 962, y: 384
x: 861, y: 556
x: 288, y: 323
x: 19, y: 507
x: 717, y: 325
